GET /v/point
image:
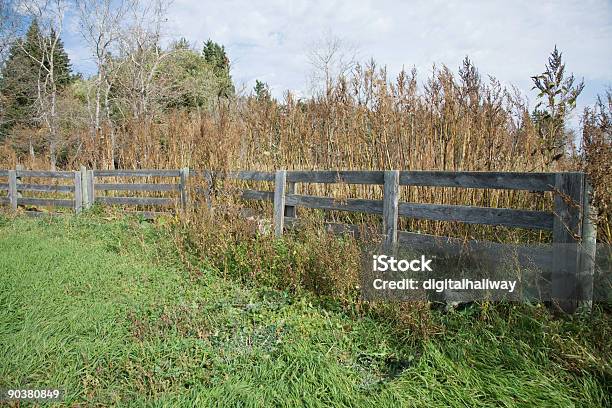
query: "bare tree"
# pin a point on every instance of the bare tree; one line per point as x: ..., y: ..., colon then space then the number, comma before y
x: 50, y: 16
x: 140, y: 47
x: 330, y: 58
x: 100, y: 25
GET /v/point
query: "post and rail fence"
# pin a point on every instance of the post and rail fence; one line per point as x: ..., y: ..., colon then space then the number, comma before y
x: 571, y: 221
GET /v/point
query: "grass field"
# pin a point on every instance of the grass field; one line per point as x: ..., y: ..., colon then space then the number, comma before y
x: 105, y: 310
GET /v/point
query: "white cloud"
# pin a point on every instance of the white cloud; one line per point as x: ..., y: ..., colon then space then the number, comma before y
x: 269, y: 40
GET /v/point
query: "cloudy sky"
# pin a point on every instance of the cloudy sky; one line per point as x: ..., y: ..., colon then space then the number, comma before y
x: 270, y: 40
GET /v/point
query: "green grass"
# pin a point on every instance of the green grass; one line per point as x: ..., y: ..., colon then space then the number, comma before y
x: 106, y: 311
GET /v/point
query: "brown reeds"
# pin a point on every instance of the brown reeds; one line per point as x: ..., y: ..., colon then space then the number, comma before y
x: 367, y: 121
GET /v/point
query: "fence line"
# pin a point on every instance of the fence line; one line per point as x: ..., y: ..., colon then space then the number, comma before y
x: 569, y: 222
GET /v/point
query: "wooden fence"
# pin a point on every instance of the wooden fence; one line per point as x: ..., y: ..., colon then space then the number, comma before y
x: 570, y: 258
x: 15, y: 186
x: 570, y: 221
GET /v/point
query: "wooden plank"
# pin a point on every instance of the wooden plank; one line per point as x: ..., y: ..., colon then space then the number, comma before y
x: 475, y: 179
x: 290, y: 210
x: 136, y: 201
x: 569, y: 197
x: 4, y: 173
x: 390, y: 208
x: 357, y: 231
x: 148, y: 215
x: 85, y: 188
x: 472, y: 215
x: 4, y: 186
x: 48, y: 202
x: 279, y: 201
x: 137, y: 173
x: 183, y: 186
x: 479, y: 215
x: 539, y: 256
x: 251, y: 175
x: 49, y: 174
x: 588, y: 250
x: 332, y: 177
x: 78, y: 192
x: 45, y: 188
x: 327, y: 203
x: 91, y: 189
x: 5, y: 200
x: 12, y: 193
x: 37, y: 214
x: 528, y: 256
x: 257, y: 195
x: 136, y: 187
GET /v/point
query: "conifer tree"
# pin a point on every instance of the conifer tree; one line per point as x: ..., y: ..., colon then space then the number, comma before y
x: 20, y: 75
x: 215, y: 55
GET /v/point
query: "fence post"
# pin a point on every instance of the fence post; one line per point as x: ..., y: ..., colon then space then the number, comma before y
x: 19, y: 167
x: 12, y: 193
x: 90, y: 187
x: 569, y: 199
x: 290, y: 210
x: 78, y: 192
x: 588, y: 249
x: 390, y: 208
x: 279, y: 201
x: 85, y: 188
x: 183, y: 186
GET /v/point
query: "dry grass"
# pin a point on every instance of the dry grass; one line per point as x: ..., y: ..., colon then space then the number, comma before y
x: 368, y: 121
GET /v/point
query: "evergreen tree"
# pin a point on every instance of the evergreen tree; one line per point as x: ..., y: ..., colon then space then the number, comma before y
x: 262, y: 90
x: 20, y: 75
x: 61, y: 62
x: 215, y: 55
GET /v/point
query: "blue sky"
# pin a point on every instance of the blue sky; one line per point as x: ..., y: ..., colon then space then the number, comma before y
x: 270, y: 40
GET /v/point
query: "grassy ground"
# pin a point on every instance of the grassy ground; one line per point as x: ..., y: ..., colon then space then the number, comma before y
x: 106, y: 311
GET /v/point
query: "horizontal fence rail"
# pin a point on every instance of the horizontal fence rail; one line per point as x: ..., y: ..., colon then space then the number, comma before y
x: 568, y: 221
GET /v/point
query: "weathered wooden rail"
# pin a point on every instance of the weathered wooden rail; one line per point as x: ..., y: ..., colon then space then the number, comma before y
x: 570, y: 223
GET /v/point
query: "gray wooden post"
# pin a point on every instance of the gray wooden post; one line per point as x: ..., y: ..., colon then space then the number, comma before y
x: 588, y: 249
x: 390, y: 208
x: 290, y: 210
x: 78, y: 192
x: 184, y: 172
x: 567, y: 230
x: 279, y: 201
x: 19, y: 167
x: 90, y: 187
x: 12, y: 193
x: 85, y: 188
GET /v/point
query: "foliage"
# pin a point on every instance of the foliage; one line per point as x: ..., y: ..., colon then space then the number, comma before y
x: 558, y: 95
x: 190, y: 80
x: 262, y: 91
x: 216, y: 56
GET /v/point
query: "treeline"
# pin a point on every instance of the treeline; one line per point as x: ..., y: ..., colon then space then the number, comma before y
x: 153, y: 106
x: 46, y: 107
